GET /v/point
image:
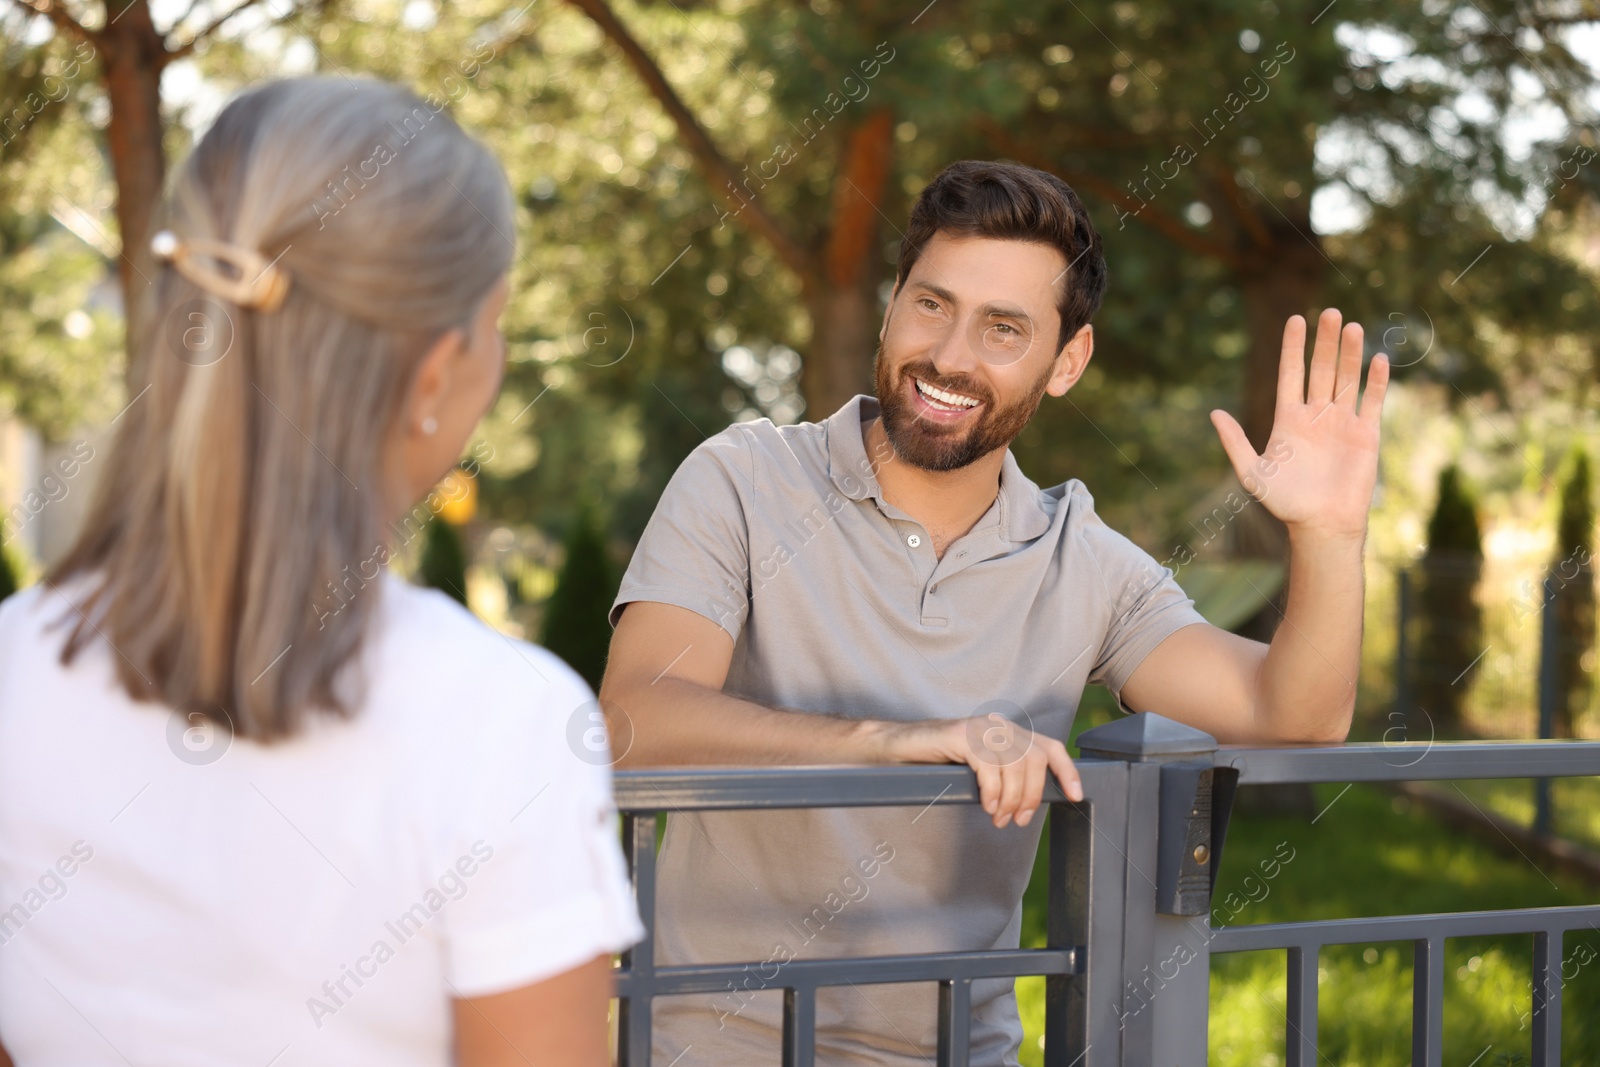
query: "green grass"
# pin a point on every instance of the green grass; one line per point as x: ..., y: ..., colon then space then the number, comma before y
x: 1368, y: 855
x: 1574, y: 804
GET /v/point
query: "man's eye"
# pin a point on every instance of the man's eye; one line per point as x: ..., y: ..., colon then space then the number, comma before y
x: 1006, y: 326
x: 931, y: 305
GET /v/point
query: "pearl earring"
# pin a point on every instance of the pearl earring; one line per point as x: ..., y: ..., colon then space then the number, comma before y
x: 429, y: 424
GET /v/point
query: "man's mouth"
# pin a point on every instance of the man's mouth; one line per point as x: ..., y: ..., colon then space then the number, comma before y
x: 943, y: 400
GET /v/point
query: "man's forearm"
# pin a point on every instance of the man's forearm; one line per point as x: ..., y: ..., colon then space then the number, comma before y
x: 1307, y: 686
x: 677, y: 722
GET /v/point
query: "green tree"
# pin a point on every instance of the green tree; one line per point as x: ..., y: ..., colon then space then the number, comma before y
x: 1449, y: 616
x: 8, y: 574
x: 1574, y: 603
x: 444, y: 561
x: 576, y: 627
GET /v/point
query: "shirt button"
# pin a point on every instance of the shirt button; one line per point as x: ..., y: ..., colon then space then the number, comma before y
x: 915, y: 540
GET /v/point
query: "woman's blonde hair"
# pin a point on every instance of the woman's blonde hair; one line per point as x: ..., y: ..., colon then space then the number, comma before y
x: 246, y: 478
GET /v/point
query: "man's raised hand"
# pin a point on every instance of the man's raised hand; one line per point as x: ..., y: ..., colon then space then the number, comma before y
x: 1317, y: 473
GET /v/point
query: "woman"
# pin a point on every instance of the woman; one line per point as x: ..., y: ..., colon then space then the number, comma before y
x: 261, y: 802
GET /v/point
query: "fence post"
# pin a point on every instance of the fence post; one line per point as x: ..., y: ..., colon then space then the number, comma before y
x: 1177, y: 810
x: 1549, y: 684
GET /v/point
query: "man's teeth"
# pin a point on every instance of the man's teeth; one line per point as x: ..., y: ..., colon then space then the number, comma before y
x: 954, y: 400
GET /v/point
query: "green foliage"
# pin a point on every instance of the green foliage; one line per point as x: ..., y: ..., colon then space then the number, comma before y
x: 57, y: 290
x: 8, y: 574
x: 1575, y: 596
x: 1450, y: 619
x: 576, y: 627
x: 444, y: 562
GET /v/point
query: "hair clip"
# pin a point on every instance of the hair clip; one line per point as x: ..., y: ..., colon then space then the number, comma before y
x: 260, y: 284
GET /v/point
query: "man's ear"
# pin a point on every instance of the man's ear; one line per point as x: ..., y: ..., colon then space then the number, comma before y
x: 431, y: 384
x: 1071, y: 362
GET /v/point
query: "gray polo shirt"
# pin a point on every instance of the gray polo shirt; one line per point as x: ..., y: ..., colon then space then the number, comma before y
x: 837, y: 603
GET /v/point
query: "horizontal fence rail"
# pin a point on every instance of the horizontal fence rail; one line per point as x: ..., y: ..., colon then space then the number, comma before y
x: 1131, y: 869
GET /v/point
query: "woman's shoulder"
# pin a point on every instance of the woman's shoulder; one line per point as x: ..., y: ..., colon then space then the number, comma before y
x: 427, y: 648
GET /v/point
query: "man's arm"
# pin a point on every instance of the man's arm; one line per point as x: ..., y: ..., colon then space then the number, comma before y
x: 1302, y: 687
x: 664, y: 704
x: 1316, y: 475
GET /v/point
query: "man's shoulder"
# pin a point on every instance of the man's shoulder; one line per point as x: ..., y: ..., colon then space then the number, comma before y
x: 744, y: 449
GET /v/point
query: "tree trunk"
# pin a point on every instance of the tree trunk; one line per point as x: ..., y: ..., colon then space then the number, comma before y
x: 1288, y: 281
x: 842, y: 297
x: 132, y: 53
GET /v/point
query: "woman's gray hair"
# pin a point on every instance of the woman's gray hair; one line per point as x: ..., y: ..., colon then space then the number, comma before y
x: 245, y: 490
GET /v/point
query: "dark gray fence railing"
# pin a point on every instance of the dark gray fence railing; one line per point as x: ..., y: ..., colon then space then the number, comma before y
x: 1131, y: 872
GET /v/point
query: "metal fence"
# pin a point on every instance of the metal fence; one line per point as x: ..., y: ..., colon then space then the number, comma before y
x: 1131, y: 872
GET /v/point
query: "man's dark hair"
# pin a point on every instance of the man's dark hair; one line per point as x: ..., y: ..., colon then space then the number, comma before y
x: 1009, y: 201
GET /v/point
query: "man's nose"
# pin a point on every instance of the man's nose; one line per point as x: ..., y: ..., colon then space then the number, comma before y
x: 955, y: 352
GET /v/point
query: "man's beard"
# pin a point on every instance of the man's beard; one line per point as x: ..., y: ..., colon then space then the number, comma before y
x: 935, y: 448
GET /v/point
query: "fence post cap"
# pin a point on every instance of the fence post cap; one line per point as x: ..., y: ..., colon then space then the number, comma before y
x: 1146, y: 736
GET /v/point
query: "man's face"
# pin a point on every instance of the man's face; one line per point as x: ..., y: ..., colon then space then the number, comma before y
x: 968, y: 348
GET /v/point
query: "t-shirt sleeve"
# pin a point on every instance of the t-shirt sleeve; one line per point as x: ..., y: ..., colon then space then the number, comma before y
x: 695, y: 551
x: 1145, y: 605
x: 543, y: 886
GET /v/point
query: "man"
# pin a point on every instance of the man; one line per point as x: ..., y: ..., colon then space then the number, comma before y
x: 887, y: 586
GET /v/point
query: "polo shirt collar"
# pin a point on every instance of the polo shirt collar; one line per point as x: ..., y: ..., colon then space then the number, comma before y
x: 1022, y: 515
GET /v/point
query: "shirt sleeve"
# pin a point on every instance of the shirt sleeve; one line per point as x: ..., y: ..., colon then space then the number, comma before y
x: 537, y: 858
x: 1145, y: 605
x: 695, y: 551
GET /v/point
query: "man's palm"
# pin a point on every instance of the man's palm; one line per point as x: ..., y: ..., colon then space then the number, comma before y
x: 1321, y: 462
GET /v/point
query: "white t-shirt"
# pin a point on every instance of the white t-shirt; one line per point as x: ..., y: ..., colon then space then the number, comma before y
x: 315, y: 901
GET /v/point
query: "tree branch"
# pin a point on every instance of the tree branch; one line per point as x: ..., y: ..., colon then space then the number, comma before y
x: 211, y: 27
x: 62, y: 19
x: 1168, y: 225
x: 718, y: 170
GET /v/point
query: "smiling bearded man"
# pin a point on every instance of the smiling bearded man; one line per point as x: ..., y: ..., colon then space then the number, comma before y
x: 887, y: 586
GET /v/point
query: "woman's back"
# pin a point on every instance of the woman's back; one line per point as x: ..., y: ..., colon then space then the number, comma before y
x: 170, y: 894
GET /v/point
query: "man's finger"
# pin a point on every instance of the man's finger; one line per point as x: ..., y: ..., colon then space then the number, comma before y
x: 988, y: 782
x: 1035, y: 769
x: 1235, y: 443
x: 1348, y: 382
x: 1377, y: 387
x: 1012, y: 777
x: 1323, y: 356
x: 1292, y: 364
x: 1067, y: 774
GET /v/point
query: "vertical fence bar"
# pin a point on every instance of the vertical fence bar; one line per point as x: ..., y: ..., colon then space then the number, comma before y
x: 1547, y: 948
x: 1094, y: 881
x: 1402, y: 650
x: 1300, y: 1026
x: 799, y: 1026
x: 633, y: 1011
x: 955, y: 1022
x: 1067, y: 864
x: 1549, y: 683
x: 1427, y: 1002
